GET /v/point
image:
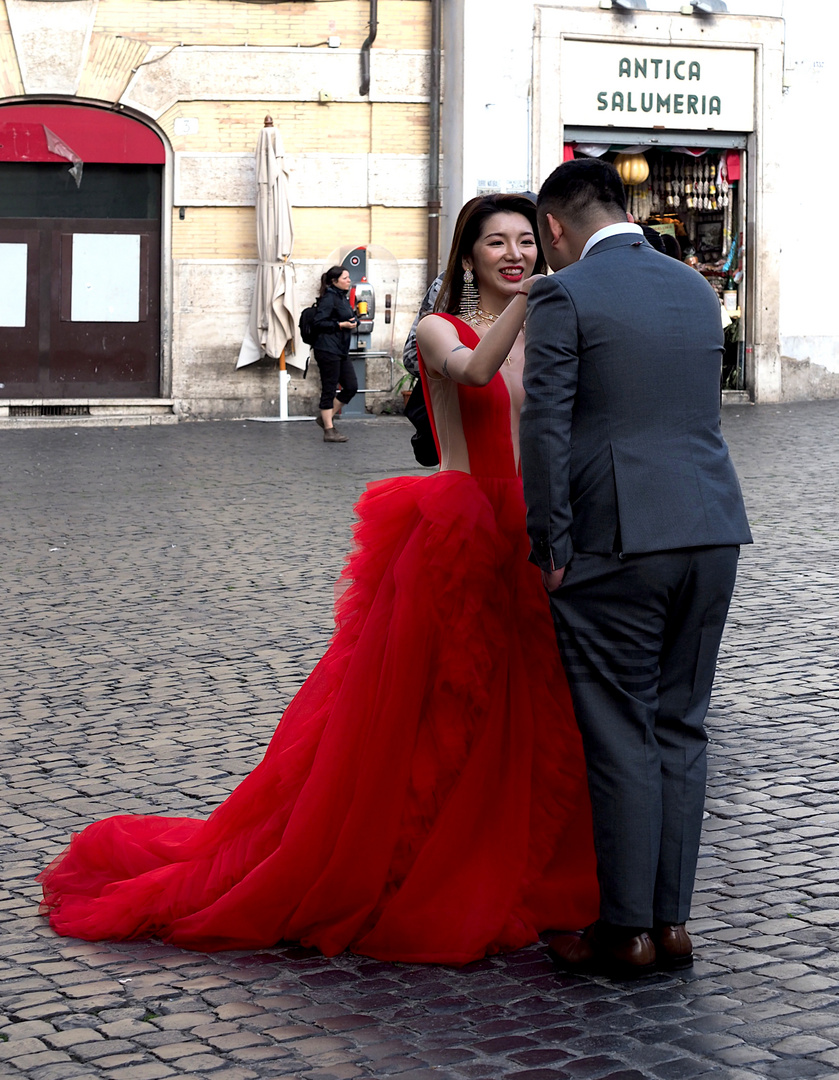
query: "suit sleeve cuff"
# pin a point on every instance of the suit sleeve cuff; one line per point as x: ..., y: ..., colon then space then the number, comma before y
x: 549, y: 556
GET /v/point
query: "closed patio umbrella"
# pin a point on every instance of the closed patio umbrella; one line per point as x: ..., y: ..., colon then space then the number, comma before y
x: 273, y: 319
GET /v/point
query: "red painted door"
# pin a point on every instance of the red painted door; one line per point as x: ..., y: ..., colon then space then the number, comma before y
x: 67, y: 350
x: 79, y: 254
x: 20, y: 267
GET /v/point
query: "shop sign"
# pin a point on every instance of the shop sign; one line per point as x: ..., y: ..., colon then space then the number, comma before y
x: 604, y: 84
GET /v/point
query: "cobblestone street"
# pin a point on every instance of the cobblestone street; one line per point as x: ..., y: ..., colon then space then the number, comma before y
x: 166, y: 589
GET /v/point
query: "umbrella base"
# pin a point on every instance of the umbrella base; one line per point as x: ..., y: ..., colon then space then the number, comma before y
x: 276, y: 419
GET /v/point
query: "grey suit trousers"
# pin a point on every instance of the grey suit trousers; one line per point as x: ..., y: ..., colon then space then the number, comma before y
x: 639, y: 637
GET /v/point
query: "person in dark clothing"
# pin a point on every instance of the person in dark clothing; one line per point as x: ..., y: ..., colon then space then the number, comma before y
x: 672, y: 247
x: 636, y: 519
x: 334, y: 321
x: 422, y: 441
x: 654, y: 238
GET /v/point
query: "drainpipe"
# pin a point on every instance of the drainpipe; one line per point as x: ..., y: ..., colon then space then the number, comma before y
x: 364, y: 89
x: 434, y: 84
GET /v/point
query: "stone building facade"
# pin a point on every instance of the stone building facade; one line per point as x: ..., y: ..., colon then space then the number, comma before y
x: 202, y: 75
x: 173, y: 96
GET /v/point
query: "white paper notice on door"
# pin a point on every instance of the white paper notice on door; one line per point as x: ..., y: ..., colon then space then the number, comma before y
x: 13, y: 292
x: 106, y: 278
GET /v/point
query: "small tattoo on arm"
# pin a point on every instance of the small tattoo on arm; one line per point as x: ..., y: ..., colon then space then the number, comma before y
x: 446, y: 361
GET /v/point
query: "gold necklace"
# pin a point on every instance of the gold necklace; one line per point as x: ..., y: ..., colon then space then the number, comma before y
x: 487, y: 317
x: 484, y: 316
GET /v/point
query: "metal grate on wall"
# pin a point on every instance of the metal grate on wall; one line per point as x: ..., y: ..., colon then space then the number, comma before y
x: 49, y: 410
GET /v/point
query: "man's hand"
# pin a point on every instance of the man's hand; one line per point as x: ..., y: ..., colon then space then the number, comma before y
x: 552, y: 579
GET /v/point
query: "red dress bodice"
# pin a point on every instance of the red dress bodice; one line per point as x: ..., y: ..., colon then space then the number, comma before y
x: 484, y: 417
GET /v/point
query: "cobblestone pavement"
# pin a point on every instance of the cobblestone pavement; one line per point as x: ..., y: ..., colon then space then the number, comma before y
x: 165, y: 591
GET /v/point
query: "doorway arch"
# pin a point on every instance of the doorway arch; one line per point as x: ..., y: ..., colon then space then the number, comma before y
x: 80, y: 252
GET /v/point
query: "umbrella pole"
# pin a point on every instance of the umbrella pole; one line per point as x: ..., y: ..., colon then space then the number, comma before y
x: 285, y: 379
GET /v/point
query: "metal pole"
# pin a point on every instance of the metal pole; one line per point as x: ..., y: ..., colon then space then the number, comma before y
x: 364, y: 88
x: 434, y: 84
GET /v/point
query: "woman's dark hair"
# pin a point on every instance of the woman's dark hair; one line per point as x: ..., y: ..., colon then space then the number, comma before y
x: 330, y: 277
x: 672, y: 247
x: 654, y: 238
x: 468, y: 227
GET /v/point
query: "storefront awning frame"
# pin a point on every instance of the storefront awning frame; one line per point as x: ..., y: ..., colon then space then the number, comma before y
x: 717, y: 140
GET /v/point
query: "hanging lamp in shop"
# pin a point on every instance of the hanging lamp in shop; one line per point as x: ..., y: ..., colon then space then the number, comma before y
x: 632, y: 168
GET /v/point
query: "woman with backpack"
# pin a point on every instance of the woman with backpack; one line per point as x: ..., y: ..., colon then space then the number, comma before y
x: 334, y: 322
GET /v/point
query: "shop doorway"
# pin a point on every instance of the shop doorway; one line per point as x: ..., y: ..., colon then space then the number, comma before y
x: 694, y: 197
x: 79, y: 255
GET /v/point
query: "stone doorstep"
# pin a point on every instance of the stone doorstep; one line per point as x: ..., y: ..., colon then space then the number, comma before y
x: 97, y: 406
x: 21, y: 423
x: 736, y: 397
x: 102, y: 412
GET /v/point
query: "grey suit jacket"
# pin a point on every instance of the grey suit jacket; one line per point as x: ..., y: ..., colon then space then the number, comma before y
x: 620, y: 432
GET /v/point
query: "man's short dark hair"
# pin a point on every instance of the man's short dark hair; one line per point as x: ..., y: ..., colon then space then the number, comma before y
x: 582, y: 191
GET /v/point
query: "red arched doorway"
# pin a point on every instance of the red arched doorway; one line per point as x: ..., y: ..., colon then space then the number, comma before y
x: 80, y: 211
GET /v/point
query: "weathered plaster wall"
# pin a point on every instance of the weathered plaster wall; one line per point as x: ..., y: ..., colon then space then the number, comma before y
x: 809, y: 315
x: 11, y: 83
x: 50, y: 41
x: 804, y: 380
x: 336, y: 180
x: 191, y: 73
x: 211, y: 303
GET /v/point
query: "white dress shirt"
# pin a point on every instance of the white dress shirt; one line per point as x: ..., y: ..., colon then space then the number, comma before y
x: 611, y: 230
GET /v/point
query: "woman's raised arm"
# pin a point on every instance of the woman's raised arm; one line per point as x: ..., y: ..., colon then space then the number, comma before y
x: 444, y: 354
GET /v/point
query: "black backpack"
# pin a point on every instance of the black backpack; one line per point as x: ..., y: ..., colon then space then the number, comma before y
x: 306, y: 322
x: 422, y: 441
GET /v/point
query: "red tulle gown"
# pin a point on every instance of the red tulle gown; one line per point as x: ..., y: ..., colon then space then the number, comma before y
x: 424, y: 796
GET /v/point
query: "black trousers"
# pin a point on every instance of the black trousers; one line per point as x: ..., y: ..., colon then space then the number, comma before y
x: 335, y: 369
x: 639, y: 637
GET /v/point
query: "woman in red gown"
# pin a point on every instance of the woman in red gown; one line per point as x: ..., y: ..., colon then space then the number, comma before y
x: 434, y: 814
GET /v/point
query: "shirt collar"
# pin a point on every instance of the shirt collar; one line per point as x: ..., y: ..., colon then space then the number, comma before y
x: 611, y: 230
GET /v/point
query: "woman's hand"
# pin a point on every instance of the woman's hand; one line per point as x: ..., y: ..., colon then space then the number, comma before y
x: 443, y: 352
x: 348, y: 324
x: 528, y: 283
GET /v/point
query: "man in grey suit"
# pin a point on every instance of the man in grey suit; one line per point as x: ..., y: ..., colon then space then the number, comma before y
x: 635, y: 517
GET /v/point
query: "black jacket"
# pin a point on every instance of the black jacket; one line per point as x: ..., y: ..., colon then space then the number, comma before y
x: 333, y: 308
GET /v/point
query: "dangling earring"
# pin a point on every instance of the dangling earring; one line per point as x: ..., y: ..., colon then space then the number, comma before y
x: 469, y: 298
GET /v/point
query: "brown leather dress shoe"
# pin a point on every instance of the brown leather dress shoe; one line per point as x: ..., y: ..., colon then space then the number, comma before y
x: 627, y: 954
x: 673, y: 947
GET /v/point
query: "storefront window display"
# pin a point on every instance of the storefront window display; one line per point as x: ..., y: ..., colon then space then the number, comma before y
x: 692, y: 197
